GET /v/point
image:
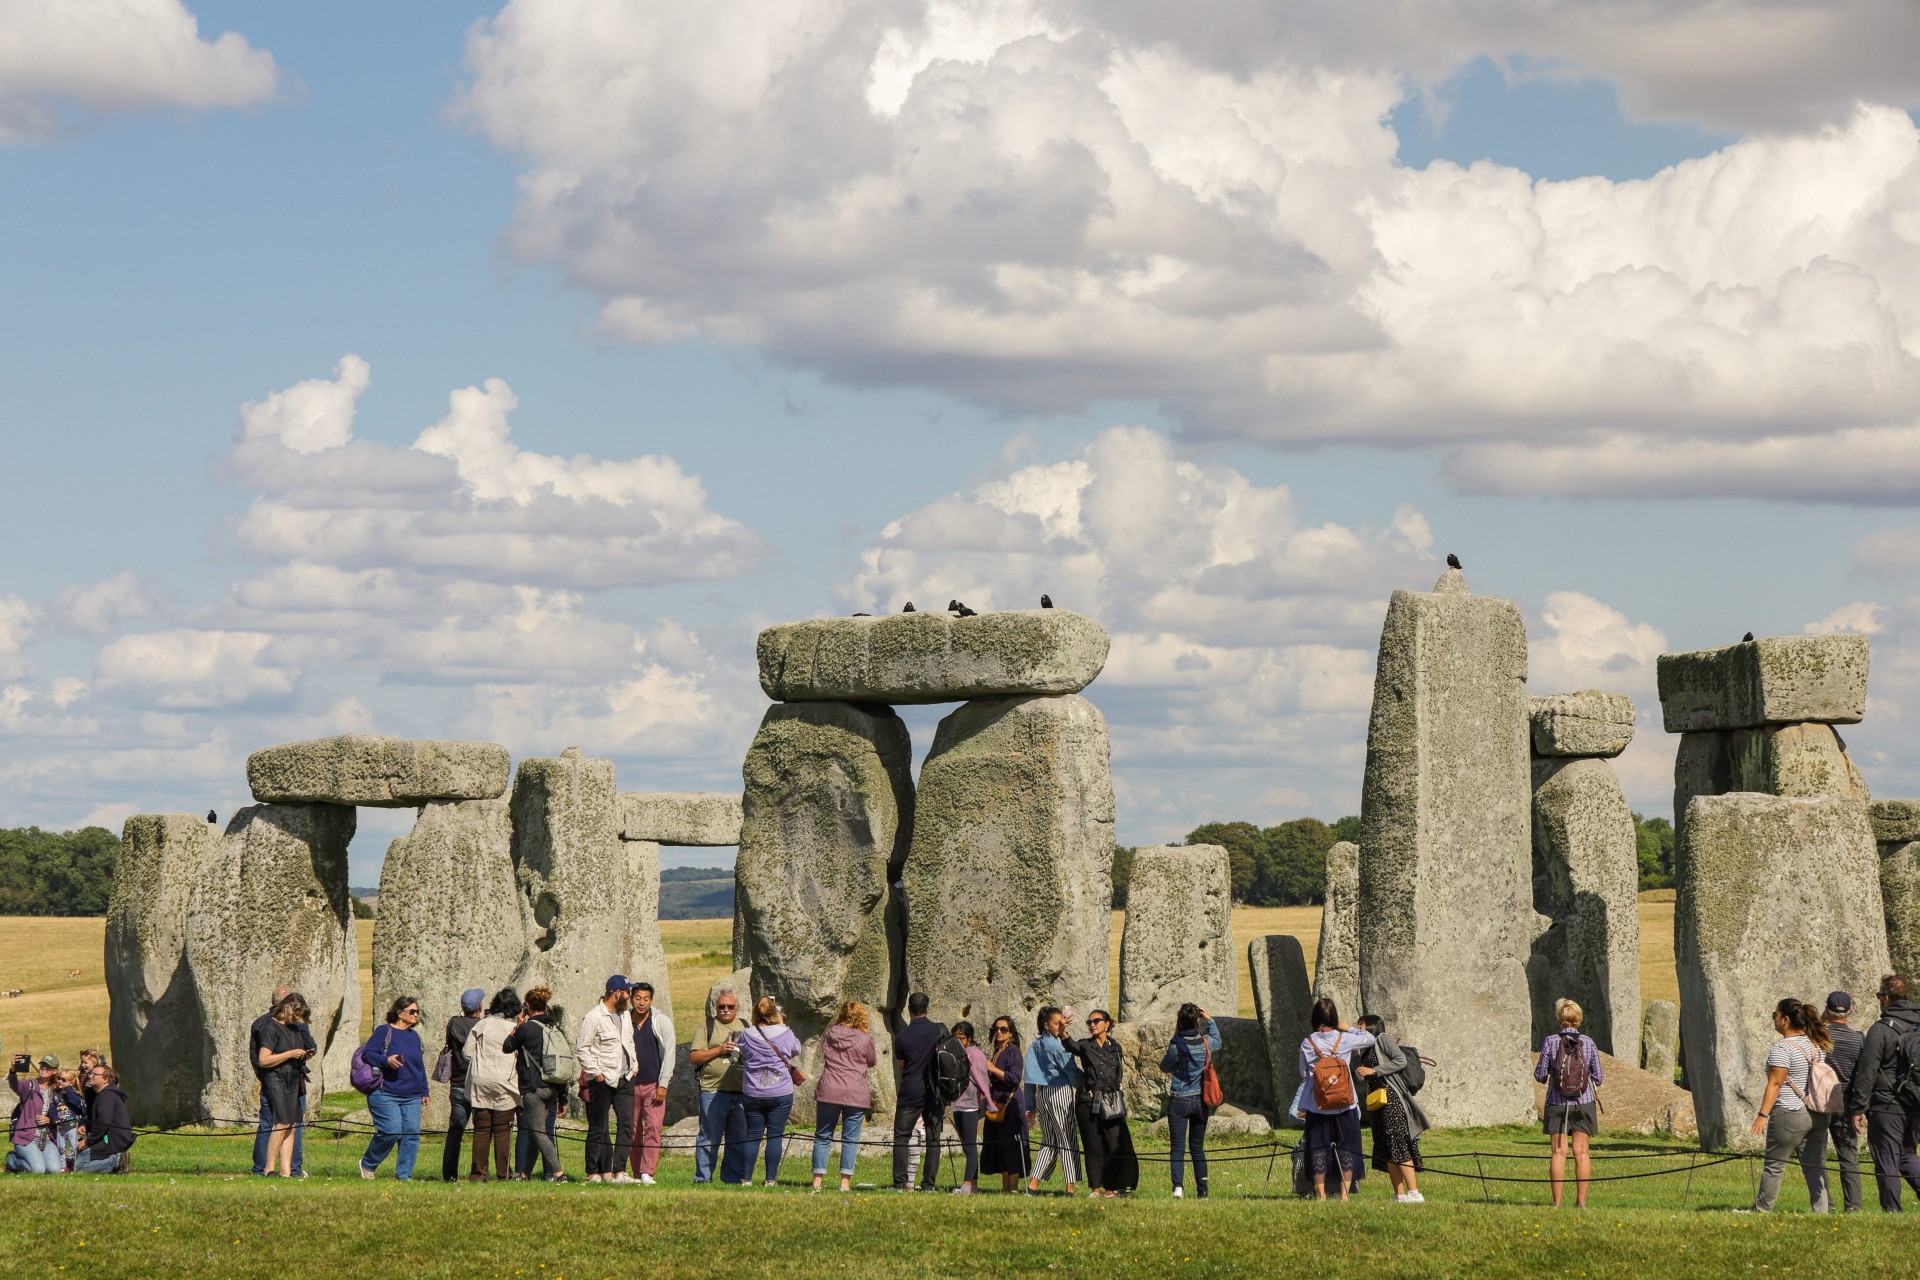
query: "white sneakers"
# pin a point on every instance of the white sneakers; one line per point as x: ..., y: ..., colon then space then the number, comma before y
x: 646, y: 1180
x: 366, y: 1173
x: 1179, y: 1193
x: 622, y: 1177
x: 1410, y: 1197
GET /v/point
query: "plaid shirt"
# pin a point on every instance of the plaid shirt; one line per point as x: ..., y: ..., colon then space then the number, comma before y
x: 1550, y: 1054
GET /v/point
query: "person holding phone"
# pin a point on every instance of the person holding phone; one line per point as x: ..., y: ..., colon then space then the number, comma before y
x: 396, y: 1101
x: 282, y: 1062
x: 1052, y: 1079
x: 715, y: 1055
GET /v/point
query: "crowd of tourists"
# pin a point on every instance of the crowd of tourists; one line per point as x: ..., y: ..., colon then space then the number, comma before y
x: 67, y: 1121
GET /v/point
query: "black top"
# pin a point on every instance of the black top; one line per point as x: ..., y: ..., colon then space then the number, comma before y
x: 261, y: 1035
x: 528, y: 1042
x: 1100, y: 1066
x: 457, y: 1028
x: 1874, y: 1075
x: 914, y: 1048
x: 1845, y: 1053
x: 646, y: 1051
x: 109, y: 1131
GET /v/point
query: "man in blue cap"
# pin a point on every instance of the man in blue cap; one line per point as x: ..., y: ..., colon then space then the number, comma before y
x: 472, y: 1000
x: 604, y: 1050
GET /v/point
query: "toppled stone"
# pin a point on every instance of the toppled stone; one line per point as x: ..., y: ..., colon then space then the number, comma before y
x: 1246, y: 1077
x: 1900, y: 904
x: 1660, y: 1039
x: 1009, y: 880
x: 1894, y: 821
x: 1778, y: 680
x: 1177, y: 943
x: 1336, y: 967
x: 377, y: 772
x: 1807, y: 760
x: 1446, y: 917
x: 829, y: 811
x: 932, y: 656
x: 451, y: 915
x: 1588, y: 723
x: 1774, y: 897
x: 1283, y: 1005
x: 272, y: 910
x: 1586, y: 880
x: 1240, y: 1126
x: 154, y: 1026
x: 695, y: 818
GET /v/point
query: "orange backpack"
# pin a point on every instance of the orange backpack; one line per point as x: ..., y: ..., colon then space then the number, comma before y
x: 1332, y: 1085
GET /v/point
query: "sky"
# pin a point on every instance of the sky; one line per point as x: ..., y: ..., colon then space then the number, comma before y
x: 483, y: 371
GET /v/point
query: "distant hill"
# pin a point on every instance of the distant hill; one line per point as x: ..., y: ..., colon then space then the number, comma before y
x: 705, y: 895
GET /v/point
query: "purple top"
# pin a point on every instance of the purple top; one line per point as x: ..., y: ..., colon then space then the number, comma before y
x: 1550, y: 1053
x: 33, y: 1103
x: 764, y: 1072
x: 846, y: 1056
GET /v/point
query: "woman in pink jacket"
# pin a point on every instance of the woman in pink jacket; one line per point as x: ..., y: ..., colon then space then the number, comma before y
x: 845, y: 1093
x: 969, y: 1106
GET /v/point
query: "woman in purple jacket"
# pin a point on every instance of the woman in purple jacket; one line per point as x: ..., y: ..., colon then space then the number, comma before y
x: 769, y: 1062
x: 845, y: 1092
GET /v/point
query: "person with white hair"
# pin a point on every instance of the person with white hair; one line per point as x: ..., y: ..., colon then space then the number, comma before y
x: 715, y: 1055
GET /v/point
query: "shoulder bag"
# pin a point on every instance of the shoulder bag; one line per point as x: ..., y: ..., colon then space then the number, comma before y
x: 793, y: 1073
x: 366, y: 1077
x: 1211, y: 1094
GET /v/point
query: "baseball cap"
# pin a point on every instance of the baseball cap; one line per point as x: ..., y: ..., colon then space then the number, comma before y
x: 472, y: 998
x: 1840, y: 1002
x: 618, y: 982
x: 49, y: 1063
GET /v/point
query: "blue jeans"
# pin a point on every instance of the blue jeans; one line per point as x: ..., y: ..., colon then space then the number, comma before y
x: 825, y: 1116
x: 1186, y: 1118
x: 716, y: 1111
x: 86, y: 1163
x: 35, y: 1157
x: 757, y: 1119
x: 266, y: 1131
x: 396, y: 1122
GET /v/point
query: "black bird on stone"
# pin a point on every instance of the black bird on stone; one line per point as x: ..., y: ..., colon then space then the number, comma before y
x: 863, y: 615
x: 954, y: 606
x: 1046, y: 602
x: 1453, y: 561
x: 212, y: 818
x: 1747, y: 638
x: 909, y: 608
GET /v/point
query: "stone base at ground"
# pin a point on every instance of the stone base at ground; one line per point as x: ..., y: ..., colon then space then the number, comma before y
x: 1633, y: 1101
x: 1177, y: 943
x: 377, y: 772
x: 1283, y: 1005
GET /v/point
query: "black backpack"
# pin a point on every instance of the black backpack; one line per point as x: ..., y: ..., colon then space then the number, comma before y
x: 1415, y: 1076
x: 947, y: 1071
x: 1906, y: 1068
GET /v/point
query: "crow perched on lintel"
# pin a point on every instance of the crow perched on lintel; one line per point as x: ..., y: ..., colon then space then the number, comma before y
x: 1453, y: 561
x: 212, y: 818
x: 954, y: 606
x: 1046, y: 601
x: 909, y: 608
x: 1747, y: 638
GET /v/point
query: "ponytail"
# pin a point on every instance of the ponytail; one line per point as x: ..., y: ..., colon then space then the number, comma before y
x: 1805, y: 1019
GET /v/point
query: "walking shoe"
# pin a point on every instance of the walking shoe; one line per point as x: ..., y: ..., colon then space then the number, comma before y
x: 366, y: 1172
x: 624, y: 1178
x: 593, y: 1177
x: 1414, y: 1197
x: 1179, y: 1193
x: 963, y: 1190
x: 558, y: 1177
x: 646, y: 1180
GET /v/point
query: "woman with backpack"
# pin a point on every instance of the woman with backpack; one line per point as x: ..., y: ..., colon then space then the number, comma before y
x: 493, y: 1084
x: 1101, y: 1110
x: 540, y: 1102
x: 1569, y: 1065
x: 845, y: 1093
x: 1792, y: 1130
x: 1195, y: 1041
x: 968, y: 1108
x: 1003, y: 1142
x: 1052, y: 1077
x: 1397, y: 1118
x: 399, y: 1089
x: 1330, y: 1103
x: 769, y: 1057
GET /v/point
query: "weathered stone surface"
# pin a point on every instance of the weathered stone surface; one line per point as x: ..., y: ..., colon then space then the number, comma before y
x: 378, y: 772
x: 1900, y: 902
x: 1586, y: 880
x: 932, y: 656
x: 1778, y: 680
x: 272, y: 910
x: 1283, y: 1005
x: 696, y: 818
x: 451, y: 915
x: 1177, y: 943
x: 1336, y: 967
x: 1632, y: 1100
x: 1246, y: 1077
x: 157, y: 1037
x: 828, y: 814
x: 1009, y: 880
x: 1806, y: 760
x: 1446, y: 917
x: 1588, y: 723
x: 1894, y: 821
x: 1775, y: 897
x: 587, y: 891
x: 1660, y: 1039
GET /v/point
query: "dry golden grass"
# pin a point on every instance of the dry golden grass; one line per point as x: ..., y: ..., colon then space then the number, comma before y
x: 61, y: 1014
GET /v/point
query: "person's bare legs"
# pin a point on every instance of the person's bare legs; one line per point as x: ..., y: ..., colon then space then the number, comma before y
x: 1409, y: 1179
x: 1582, y: 1169
x: 1557, y: 1167
x: 280, y: 1149
x: 1319, y: 1186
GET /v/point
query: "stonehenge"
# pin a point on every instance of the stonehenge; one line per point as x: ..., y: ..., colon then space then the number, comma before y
x: 1283, y: 1005
x: 1586, y: 875
x: 1896, y: 829
x: 1660, y: 1039
x: 1176, y: 945
x: 701, y: 818
x: 1778, y: 680
x: 1336, y: 967
x: 376, y: 772
x: 1446, y: 917
x: 931, y: 657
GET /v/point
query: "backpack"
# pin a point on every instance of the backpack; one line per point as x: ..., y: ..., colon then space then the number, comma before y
x: 1332, y: 1084
x: 1906, y: 1065
x: 1570, y: 1074
x: 1415, y: 1076
x: 557, y: 1063
x: 947, y: 1071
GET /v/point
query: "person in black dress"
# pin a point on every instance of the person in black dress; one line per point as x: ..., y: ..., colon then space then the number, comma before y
x: 1003, y: 1142
x: 283, y: 1056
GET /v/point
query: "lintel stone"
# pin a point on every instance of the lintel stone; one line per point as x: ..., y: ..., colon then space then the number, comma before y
x: 931, y: 656
x: 690, y: 818
x: 377, y: 772
x: 1779, y: 680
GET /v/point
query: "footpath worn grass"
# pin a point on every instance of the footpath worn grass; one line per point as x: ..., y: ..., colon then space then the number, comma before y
x: 169, y: 1219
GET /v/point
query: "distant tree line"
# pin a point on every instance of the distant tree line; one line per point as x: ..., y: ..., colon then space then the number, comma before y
x: 56, y: 873
x: 1653, y: 838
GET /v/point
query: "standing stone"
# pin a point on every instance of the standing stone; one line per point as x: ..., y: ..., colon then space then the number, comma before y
x: 1177, y: 943
x: 1009, y: 881
x: 1807, y: 760
x: 451, y: 917
x: 1775, y: 897
x: 1246, y: 1075
x: 1586, y: 874
x: 378, y: 772
x: 272, y: 910
x: 1446, y: 916
x: 1283, y: 1004
x: 576, y: 877
x: 1336, y: 967
x: 1900, y: 901
x: 1660, y: 1039
x: 159, y: 1042
x: 646, y: 954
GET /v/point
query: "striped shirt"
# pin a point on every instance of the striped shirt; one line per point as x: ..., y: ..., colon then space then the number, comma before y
x: 1797, y: 1055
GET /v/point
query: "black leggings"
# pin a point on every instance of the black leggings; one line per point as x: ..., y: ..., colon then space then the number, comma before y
x: 968, y: 1123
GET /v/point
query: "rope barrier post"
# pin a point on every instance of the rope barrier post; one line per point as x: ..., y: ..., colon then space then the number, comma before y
x: 1485, y: 1196
x: 1687, y: 1191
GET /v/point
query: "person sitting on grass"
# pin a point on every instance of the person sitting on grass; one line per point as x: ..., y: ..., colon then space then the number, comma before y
x: 109, y: 1130
x: 35, y: 1148
x: 1569, y: 1065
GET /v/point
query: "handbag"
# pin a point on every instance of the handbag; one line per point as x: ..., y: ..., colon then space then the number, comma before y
x: 1376, y: 1098
x: 1211, y: 1094
x: 793, y: 1073
x: 1823, y: 1093
x: 1109, y: 1104
x: 443, y: 1066
x: 366, y: 1077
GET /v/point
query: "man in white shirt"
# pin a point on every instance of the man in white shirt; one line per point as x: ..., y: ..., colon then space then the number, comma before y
x: 604, y: 1049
